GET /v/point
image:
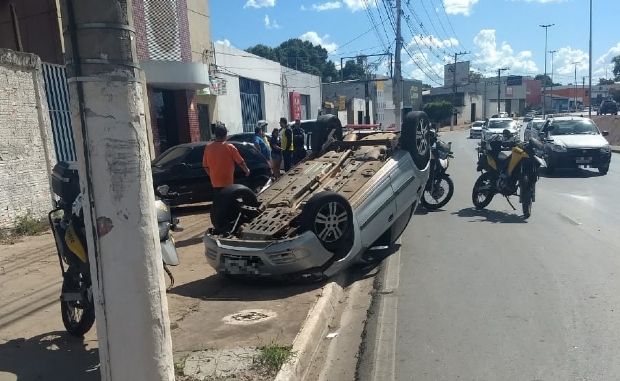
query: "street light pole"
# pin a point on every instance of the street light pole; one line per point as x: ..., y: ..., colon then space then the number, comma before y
x: 398, y: 75
x: 575, y: 85
x: 590, y: 66
x: 552, y: 52
x: 547, y: 26
x: 499, y: 93
x: 456, y: 56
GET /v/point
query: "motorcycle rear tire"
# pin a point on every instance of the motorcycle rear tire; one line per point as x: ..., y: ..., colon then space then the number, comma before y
x: 80, y: 326
x: 486, y: 176
x: 526, y: 196
x: 429, y: 206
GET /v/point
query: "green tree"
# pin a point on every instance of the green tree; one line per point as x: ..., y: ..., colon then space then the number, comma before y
x: 438, y: 111
x: 616, y: 70
x: 426, y: 86
x: 603, y: 81
x: 545, y: 78
x: 475, y: 76
x: 308, y: 58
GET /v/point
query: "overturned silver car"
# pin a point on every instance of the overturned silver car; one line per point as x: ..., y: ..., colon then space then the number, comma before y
x: 353, y: 193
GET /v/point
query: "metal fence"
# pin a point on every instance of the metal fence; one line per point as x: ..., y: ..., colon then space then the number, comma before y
x: 251, y: 103
x: 57, y: 94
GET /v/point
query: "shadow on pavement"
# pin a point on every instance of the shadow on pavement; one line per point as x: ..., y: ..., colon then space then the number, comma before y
x: 189, y: 241
x: 492, y: 216
x: 220, y: 288
x: 571, y: 173
x: 52, y: 356
x: 190, y: 210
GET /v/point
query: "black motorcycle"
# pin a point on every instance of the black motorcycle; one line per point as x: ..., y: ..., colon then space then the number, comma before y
x: 439, y: 187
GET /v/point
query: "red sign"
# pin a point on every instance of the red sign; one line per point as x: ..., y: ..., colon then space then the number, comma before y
x: 509, y: 92
x: 295, y: 99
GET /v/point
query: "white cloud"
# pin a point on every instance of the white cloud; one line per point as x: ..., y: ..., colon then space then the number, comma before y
x: 432, y: 42
x: 359, y: 5
x: 224, y: 42
x: 543, y: 1
x: 271, y: 24
x: 605, y: 59
x: 459, y: 7
x: 314, y: 38
x: 493, y: 56
x: 564, y: 58
x: 323, y: 6
x: 260, y: 4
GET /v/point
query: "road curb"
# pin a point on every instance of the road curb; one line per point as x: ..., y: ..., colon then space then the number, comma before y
x: 313, y: 330
x: 615, y: 149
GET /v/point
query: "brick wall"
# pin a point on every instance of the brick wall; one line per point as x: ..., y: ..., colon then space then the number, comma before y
x: 186, y: 52
x: 140, y: 25
x: 154, y: 127
x: 187, y: 116
x: 26, y: 146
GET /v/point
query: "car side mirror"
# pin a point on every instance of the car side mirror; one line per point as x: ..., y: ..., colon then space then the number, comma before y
x: 179, y: 169
x: 605, y: 133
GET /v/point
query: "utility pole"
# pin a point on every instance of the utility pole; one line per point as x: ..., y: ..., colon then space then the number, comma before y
x: 485, y: 100
x: 590, y: 66
x: 499, y: 93
x: 552, y: 52
x: 133, y: 327
x: 398, y: 75
x: 583, y: 90
x: 575, y: 85
x: 547, y: 26
x: 456, y: 55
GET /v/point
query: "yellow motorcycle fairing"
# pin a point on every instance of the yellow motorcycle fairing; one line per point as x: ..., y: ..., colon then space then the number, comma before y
x: 491, y: 162
x: 74, y: 244
x: 517, y: 155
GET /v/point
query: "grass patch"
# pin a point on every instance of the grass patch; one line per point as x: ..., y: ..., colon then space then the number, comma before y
x: 26, y: 225
x: 273, y: 356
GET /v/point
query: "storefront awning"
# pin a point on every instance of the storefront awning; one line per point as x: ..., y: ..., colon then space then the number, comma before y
x: 175, y: 75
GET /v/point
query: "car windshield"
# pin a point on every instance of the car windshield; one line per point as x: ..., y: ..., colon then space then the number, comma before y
x: 245, y: 137
x: 477, y: 124
x: 503, y: 124
x: 574, y: 127
x: 171, y: 157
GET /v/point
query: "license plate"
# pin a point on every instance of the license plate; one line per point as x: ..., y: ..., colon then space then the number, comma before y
x: 239, y: 266
x: 584, y: 160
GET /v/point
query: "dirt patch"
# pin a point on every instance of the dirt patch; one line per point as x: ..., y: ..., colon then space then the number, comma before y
x: 609, y: 123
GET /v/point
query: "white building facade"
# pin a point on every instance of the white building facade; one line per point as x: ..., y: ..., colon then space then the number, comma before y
x: 252, y: 88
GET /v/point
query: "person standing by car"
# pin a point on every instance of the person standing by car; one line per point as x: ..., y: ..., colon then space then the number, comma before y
x: 260, y: 144
x: 299, y: 152
x: 219, y: 160
x: 276, y: 152
x: 263, y: 126
x: 287, y: 144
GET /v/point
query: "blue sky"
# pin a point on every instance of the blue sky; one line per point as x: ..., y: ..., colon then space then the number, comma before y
x: 496, y: 33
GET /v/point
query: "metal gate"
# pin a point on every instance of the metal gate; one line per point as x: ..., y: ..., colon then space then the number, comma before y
x: 57, y: 94
x: 251, y: 103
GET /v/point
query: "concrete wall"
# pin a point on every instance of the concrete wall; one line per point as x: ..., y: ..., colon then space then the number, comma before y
x: 276, y: 84
x: 26, y: 148
x: 199, y: 19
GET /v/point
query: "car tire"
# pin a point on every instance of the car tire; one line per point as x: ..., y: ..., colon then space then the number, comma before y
x: 415, y: 137
x: 321, y: 130
x: 226, y: 205
x: 330, y: 217
x: 603, y: 170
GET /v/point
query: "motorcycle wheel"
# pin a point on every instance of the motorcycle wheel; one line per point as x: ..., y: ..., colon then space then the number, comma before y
x: 482, y: 199
x: 76, y: 317
x: 526, y: 196
x: 445, y: 187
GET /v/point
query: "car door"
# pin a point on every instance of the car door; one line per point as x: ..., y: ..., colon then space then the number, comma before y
x: 195, y: 181
x: 378, y: 211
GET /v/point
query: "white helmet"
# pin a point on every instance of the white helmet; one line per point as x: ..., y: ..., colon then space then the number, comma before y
x: 262, y: 124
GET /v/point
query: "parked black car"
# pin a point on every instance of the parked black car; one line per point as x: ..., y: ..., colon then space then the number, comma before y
x: 608, y: 107
x: 244, y: 137
x: 180, y: 168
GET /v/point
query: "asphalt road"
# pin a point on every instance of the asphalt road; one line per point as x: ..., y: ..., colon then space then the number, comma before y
x: 486, y: 295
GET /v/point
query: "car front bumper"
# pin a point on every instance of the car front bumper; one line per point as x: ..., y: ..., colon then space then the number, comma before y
x: 574, y: 158
x: 475, y: 133
x: 265, y: 258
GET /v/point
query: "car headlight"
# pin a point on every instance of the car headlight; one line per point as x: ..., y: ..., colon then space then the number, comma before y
x: 558, y: 148
x: 163, y: 189
x: 605, y: 148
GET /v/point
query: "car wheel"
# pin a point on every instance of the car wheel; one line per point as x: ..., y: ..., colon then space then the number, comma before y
x: 321, y: 131
x: 603, y: 170
x: 415, y: 137
x: 227, y: 206
x: 330, y: 217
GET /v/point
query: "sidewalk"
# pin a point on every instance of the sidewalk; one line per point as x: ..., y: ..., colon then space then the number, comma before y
x: 615, y: 149
x: 215, y: 322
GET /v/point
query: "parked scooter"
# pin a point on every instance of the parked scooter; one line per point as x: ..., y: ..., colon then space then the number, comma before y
x: 67, y: 223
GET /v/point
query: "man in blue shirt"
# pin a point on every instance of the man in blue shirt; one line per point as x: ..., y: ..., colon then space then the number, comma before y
x: 260, y: 144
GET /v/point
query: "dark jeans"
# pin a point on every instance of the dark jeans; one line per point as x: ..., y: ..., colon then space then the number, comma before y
x: 287, y: 157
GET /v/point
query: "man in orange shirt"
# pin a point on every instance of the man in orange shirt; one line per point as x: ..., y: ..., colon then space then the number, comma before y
x: 219, y: 160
